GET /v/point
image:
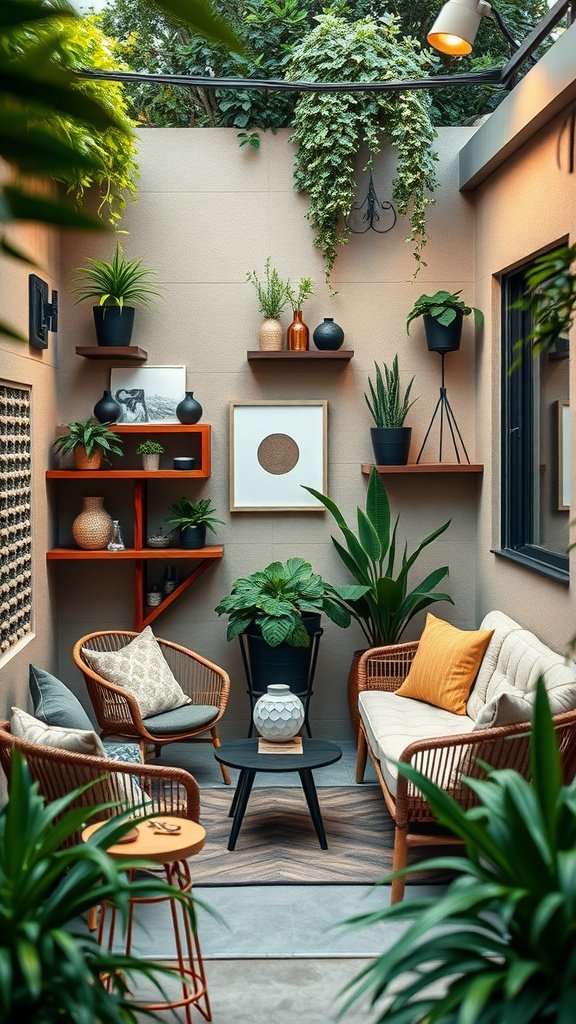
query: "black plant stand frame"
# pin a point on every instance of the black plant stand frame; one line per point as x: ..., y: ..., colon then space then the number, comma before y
x: 445, y: 409
x: 305, y: 694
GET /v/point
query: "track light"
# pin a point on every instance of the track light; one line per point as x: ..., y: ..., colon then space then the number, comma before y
x: 455, y: 28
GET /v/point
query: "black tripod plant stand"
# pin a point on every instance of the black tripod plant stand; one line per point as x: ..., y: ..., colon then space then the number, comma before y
x: 444, y: 408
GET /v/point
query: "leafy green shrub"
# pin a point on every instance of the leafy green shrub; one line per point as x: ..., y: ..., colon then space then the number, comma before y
x: 187, y: 513
x: 272, y: 291
x: 388, y: 406
x: 91, y: 436
x: 443, y: 307
x: 115, y: 282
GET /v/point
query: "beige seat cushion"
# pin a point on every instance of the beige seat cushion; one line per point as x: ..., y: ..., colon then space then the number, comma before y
x: 141, y: 668
x: 393, y: 722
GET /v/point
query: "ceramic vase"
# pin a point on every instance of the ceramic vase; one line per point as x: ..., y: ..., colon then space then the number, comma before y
x: 189, y: 410
x: 270, y: 336
x: 328, y: 335
x: 298, y: 334
x: 279, y: 713
x: 107, y: 409
x: 92, y: 529
x: 150, y: 463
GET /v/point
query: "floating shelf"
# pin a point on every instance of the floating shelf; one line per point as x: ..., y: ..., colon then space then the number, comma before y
x: 132, y: 554
x: 342, y: 355
x: 113, y: 352
x: 124, y: 474
x: 425, y: 467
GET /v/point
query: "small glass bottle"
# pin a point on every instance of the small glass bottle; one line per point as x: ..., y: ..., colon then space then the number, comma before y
x: 170, y: 580
x: 116, y: 543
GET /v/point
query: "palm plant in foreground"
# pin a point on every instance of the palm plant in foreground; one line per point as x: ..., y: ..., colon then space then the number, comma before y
x: 48, y: 972
x: 501, y: 941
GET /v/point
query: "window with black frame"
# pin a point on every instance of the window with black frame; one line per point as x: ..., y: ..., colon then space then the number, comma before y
x: 535, y: 442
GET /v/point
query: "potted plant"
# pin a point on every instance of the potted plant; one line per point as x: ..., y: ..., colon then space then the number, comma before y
x: 499, y: 942
x: 150, y: 452
x: 272, y: 297
x: 386, y: 605
x: 389, y: 408
x: 115, y: 283
x: 91, y: 442
x: 443, y: 314
x: 55, y: 971
x: 193, y: 518
x: 298, y: 335
x: 278, y: 610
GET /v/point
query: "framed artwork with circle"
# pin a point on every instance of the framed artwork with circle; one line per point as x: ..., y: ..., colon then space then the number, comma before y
x: 275, y: 447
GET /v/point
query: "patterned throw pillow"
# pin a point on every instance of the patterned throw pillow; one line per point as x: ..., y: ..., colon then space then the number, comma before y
x: 79, y: 741
x: 141, y: 668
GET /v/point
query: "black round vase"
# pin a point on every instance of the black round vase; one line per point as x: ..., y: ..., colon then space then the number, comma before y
x: 328, y: 335
x: 189, y: 410
x: 113, y: 325
x: 107, y: 409
x: 440, y: 338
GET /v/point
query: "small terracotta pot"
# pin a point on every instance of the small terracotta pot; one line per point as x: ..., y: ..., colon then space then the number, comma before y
x: 270, y: 336
x: 82, y: 461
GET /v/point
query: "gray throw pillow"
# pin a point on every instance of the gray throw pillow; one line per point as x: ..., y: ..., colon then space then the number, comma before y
x: 54, y: 703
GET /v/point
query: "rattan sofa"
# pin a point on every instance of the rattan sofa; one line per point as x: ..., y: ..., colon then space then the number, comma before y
x: 445, y: 746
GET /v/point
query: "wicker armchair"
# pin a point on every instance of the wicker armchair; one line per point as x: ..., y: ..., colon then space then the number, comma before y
x: 117, y: 711
x: 444, y: 759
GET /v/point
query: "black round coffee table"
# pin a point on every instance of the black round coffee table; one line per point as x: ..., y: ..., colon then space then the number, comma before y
x: 243, y: 754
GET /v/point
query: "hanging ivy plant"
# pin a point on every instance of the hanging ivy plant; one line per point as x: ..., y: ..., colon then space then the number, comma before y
x: 330, y: 128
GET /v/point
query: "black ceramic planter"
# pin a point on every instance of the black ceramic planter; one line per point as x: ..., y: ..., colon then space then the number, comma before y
x: 391, y: 445
x: 193, y: 537
x: 440, y: 338
x: 281, y: 664
x: 113, y: 325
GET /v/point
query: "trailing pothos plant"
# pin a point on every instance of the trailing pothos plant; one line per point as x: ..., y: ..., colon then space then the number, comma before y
x: 331, y: 128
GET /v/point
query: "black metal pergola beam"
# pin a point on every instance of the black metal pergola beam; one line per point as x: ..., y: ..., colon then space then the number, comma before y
x: 533, y: 40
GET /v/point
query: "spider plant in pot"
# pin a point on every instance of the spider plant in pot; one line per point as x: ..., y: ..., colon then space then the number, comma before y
x: 272, y: 297
x: 298, y: 335
x: 91, y: 442
x: 150, y: 452
x: 389, y: 408
x: 443, y: 315
x: 499, y: 942
x: 116, y: 283
x: 193, y: 518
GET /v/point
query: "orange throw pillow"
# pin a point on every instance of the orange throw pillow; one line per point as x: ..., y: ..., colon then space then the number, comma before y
x: 445, y: 665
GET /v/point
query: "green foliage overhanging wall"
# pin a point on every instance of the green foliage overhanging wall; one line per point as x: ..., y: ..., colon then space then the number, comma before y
x: 330, y: 129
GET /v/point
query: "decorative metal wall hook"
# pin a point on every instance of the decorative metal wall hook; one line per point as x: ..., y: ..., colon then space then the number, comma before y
x: 371, y: 206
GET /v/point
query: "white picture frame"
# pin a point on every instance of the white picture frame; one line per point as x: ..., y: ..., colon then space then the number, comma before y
x: 275, y: 448
x: 148, y: 394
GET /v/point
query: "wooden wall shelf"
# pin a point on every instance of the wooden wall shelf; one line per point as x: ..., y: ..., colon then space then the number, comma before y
x: 131, y: 554
x: 111, y: 353
x: 425, y: 467
x: 341, y: 355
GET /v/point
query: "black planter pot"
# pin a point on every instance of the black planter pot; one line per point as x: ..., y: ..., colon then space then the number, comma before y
x: 113, y: 325
x: 440, y: 338
x: 283, y: 664
x: 193, y: 537
x: 189, y: 410
x: 107, y: 409
x: 391, y: 445
x: 328, y: 336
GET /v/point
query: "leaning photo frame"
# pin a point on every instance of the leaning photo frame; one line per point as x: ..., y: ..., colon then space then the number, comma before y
x: 148, y: 394
x: 275, y: 448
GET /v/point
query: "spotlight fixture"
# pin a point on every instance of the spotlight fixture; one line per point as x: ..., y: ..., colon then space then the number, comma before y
x: 455, y: 28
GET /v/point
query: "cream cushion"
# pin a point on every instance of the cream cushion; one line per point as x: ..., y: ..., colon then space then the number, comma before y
x: 78, y: 741
x: 393, y: 722
x: 141, y: 668
x: 510, y: 707
x: 502, y: 625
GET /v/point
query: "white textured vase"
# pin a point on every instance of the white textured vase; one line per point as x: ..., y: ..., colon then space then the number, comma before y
x: 278, y: 713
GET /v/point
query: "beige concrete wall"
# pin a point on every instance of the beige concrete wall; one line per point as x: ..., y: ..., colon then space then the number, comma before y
x: 21, y: 364
x: 525, y: 206
x: 207, y: 213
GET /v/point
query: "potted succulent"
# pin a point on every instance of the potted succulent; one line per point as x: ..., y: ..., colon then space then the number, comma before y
x: 386, y: 605
x: 90, y: 441
x: 298, y: 335
x: 389, y: 408
x: 150, y: 452
x: 278, y: 611
x: 115, y: 283
x: 193, y: 518
x: 499, y: 942
x: 443, y: 314
x: 272, y: 297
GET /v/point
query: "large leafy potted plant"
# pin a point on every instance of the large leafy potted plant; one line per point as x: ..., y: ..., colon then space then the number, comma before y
x: 387, y: 604
x: 389, y: 407
x: 443, y: 315
x: 277, y: 612
x: 91, y: 442
x: 499, y: 942
x: 193, y: 518
x: 115, y: 283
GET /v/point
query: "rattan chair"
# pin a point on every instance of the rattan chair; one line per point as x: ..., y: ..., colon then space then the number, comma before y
x: 117, y: 711
x: 445, y: 759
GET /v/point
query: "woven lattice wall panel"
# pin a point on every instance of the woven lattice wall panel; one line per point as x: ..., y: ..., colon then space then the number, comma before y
x: 15, y: 516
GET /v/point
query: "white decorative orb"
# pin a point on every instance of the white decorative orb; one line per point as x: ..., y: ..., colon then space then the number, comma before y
x: 278, y: 713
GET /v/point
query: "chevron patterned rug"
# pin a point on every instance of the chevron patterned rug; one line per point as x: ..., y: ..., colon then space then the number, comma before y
x: 278, y: 845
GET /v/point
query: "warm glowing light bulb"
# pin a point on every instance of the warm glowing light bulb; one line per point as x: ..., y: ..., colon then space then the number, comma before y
x: 453, y: 45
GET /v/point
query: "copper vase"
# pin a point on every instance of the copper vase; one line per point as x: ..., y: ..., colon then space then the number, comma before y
x: 298, y: 334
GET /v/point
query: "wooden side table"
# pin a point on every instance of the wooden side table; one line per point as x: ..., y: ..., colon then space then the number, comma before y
x: 171, y: 850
